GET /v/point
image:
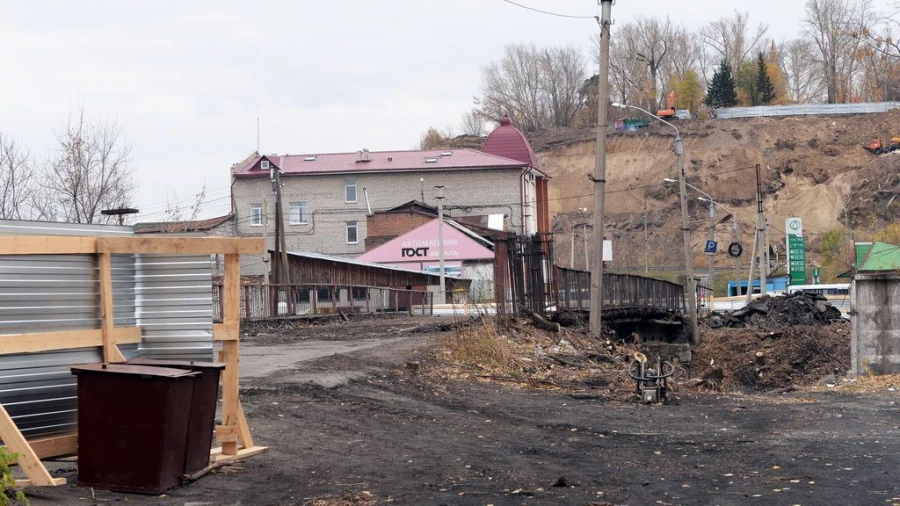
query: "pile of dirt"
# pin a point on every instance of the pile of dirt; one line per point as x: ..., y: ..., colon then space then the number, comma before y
x: 744, y: 358
x: 773, y: 312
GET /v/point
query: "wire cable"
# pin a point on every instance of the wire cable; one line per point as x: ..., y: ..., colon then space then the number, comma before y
x: 548, y: 12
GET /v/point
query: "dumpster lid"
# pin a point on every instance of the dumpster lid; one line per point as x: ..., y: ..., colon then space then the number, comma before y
x: 176, y: 363
x: 141, y: 370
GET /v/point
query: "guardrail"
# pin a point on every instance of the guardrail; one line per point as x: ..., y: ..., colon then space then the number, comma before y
x: 266, y: 301
x: 805, y: 110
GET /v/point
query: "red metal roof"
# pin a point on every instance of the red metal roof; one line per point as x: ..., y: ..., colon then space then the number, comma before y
x: 507, y: 141
x: 379, y: 161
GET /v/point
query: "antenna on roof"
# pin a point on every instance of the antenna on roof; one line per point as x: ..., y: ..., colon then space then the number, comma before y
x: 257, y: 134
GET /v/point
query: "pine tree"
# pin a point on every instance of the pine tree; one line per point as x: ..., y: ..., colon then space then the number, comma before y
x: 764, y: 87
x: 721, y: 91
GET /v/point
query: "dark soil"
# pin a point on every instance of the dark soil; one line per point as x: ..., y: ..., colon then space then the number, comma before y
x: 401, y: 436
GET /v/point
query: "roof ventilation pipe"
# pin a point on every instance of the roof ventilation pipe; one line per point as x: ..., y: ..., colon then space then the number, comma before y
x: 368, y: 205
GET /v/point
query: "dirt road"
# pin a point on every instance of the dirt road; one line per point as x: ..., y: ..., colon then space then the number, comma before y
x: 361, y: 421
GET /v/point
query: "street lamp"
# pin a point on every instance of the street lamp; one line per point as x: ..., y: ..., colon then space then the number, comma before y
x: 685, y: 226
x: 712, y: 227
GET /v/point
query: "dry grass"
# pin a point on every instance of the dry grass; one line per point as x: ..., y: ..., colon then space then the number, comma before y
x: 515, y: 353
x: 863, y: 384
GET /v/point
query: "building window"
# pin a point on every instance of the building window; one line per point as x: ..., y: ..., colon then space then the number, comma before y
x: 352, y: 236
x: 256, y: 215
x: 264, y: 165
x: 298, y: 213
x: 359, y: 292
x: 350, y: 190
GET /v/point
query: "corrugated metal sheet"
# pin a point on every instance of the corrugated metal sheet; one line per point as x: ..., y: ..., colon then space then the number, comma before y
x: 805, y: 110
x: 174, y: 299
x: 169, y: 297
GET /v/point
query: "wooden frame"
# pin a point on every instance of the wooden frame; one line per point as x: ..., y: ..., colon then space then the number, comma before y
x: 234, y: 433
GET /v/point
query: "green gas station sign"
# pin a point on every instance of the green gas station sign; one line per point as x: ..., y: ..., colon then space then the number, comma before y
x: 796, y: 248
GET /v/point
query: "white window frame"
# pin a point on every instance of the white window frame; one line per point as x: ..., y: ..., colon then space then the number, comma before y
x: 256, y: 214
x: 264, y: 165
x: 355, y: 226
x: 301, y: 216
x: 347, y: 185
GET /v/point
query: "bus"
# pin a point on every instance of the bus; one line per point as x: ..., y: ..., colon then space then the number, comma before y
x: 826, y: 290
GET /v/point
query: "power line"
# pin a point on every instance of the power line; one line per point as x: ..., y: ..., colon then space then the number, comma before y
x: 548, y: 12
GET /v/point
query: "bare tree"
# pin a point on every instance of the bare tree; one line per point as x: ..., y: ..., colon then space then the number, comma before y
x: 16, y: 180
x: 732, y: 39
x: 176, y: 219
x: 833, y: 25
x: 473, y: 123
x: 638, y: 55
x: 91, y: 171
x: 512, y: 86
x: 562, y: 78
x: 684, y: 52
x: 804, y: 79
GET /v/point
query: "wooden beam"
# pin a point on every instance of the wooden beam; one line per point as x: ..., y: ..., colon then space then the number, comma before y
x: 219, y: 457
x: 111, y: 352
x: 231, y: 317
x: 222, y: 332
x: 181, y: 245
x: 47, y: 245
x: 54, y: 446
x: 244, y: 428
x: 28, y: 483
x: 52, y: 341
x: 28, y: 460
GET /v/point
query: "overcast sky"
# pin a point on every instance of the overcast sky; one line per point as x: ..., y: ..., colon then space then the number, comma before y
x: 186, y: 80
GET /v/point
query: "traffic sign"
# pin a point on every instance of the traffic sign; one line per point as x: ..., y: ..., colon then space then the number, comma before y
x: 711, y: 247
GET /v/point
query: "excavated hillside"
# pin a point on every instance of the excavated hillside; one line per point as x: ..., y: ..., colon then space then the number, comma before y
x: 811, y: 167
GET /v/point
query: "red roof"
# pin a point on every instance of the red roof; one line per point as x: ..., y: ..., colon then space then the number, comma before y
x: 507, y: 141
x: 379, y: 161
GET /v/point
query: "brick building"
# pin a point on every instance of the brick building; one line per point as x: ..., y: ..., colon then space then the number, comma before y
x: 327, y: 197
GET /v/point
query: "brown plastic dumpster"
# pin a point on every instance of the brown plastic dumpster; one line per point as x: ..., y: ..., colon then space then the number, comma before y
x: 203, y: 408
x: 132, y: 426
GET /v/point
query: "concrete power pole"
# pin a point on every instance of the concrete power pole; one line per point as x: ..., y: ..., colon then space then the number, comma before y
x: 712, y: 237
x: 691, y: 294
x: 646, y: 244
x: 596, y: 323
x: 280, y: 241
x: 442, y: 297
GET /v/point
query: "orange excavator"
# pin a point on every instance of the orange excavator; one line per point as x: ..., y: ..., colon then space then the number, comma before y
x: 878, y: 147
x: 669, y: 111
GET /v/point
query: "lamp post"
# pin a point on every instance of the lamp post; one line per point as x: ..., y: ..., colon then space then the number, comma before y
x: 712, y: 228
x: 442, y: 297
x: 685, y: 226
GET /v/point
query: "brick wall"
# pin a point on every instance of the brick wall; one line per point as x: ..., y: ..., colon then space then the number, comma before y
x: 382, y: 227
x: 476, y: 192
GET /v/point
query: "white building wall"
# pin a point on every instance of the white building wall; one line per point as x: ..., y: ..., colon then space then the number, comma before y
x: 480, y: 192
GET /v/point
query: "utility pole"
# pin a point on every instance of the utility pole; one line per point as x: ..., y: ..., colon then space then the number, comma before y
x: 584, y: 245
x: 686, y: 233
x: 442, y: 297
x: 599, y: 179
x: 758, y: 256
x: 712, y: 237
x: 283, y: 271
x: 646, y: 244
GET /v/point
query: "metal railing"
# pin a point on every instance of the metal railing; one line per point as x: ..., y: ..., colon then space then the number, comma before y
x: 620, y: 291
x: 267, y: 301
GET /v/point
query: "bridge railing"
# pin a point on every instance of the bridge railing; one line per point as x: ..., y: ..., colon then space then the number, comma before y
x: 619, y: 291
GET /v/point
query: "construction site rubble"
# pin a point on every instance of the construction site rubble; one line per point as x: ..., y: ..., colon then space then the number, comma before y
x: 770, y: 312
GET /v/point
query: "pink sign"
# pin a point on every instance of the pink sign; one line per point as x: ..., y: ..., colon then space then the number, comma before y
x: 421, y: 245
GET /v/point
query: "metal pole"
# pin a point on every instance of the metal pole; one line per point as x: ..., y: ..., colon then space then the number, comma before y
x: 442, y: 297
x: 737, y: 260
x: 646, y: 244
x: 596, y: 323
x: 712, y: 237
x: 686, y: 230
x: 572, y: 249
x: 761, y: 231
x: 752, y: 266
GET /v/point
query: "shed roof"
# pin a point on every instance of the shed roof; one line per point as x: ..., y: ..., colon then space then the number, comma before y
x: 881, y: 257
x: 351, y: 261
x: 181, y: 226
